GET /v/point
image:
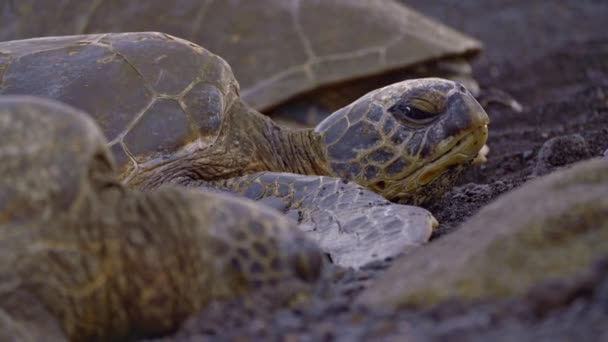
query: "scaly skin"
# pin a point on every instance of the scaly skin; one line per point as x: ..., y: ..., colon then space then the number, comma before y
x: 84, y: 258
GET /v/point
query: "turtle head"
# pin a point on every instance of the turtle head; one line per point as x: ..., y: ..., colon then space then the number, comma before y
x: 407, y: 141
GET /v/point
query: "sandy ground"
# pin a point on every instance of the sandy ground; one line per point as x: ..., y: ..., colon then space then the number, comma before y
x: 553, y: 58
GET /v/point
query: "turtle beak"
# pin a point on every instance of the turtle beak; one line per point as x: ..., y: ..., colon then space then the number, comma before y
x: 480, y: 119
x: 478, y: 115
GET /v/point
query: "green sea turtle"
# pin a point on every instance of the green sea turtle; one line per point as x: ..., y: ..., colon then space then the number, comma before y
x: 171, y: 112
x: 307, y: 51
x: 83, y: 257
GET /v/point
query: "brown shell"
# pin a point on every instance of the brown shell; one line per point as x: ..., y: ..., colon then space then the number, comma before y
x: 278, y: 48
x: 153, y: 95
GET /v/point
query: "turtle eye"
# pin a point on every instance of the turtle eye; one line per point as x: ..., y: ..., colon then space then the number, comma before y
x: 407, y: 113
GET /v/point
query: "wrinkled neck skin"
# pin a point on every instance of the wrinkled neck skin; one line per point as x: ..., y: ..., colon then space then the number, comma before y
x: 249, y: 142
x: 290, y: 150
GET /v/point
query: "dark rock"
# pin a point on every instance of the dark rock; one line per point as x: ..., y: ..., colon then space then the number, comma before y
x: 571, y: 309
x: 551, y: 227
x: 561, y: 151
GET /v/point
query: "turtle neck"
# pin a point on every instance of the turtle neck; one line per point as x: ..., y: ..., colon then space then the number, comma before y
x: 291, y: 150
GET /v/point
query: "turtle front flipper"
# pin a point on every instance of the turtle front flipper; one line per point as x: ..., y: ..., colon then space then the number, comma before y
x: 352, y: 224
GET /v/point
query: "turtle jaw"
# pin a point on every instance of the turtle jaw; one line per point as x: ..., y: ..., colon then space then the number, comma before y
x: 437, y: 176
x: 463, y: 151
x: 454, y: 144
x: 459, y: 149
